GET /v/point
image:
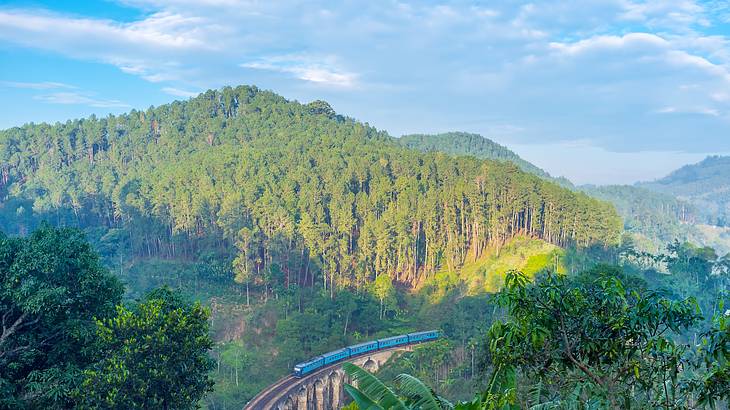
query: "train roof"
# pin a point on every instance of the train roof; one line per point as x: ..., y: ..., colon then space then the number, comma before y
x: 363, y: 344
x: 393, y: 337
x: 335, y: 352
x: 424, y: 332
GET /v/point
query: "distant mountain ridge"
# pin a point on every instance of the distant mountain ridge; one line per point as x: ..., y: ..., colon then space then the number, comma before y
x: 464, y: 143
x: 705, y: 184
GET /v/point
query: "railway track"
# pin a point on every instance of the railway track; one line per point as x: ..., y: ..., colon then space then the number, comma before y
x: 263, y: 399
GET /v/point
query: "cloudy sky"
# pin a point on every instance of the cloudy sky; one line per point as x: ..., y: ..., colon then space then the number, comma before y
x: 601, y: 91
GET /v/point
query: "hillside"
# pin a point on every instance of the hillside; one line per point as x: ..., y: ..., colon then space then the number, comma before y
x: 486, y: 274
x: 246, y: 173
x: 280, y: 216
x: 653, y: 218
x: 462, y: 143
x: 705, y: 184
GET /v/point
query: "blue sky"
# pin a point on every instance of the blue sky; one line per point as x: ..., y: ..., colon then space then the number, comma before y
x: 601, y: 91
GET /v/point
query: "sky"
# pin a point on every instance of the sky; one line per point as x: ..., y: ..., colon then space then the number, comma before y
x: 599, y: 91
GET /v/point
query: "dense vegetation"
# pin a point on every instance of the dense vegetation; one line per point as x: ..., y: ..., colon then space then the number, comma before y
x: 302, y: 230
x: 298, y: 227
x: 653, y: 213
x: 296, y: 193
x: 68, y: 342
x: 462, y: 143
x: 602, y: 339
x: 653, y: 217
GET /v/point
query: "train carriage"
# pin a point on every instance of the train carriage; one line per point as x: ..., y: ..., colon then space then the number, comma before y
x: 392, y: 341
x: 363, y: 348
x: 305, y: 368
x: 423, y: 336
x: 336, y: 355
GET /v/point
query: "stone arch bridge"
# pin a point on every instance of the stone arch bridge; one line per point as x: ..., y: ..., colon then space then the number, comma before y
x: 321, y: 390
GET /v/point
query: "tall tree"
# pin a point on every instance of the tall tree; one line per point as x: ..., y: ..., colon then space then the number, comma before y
x: 52, y: 286
x: 152, y: 355
x: 603, y: 335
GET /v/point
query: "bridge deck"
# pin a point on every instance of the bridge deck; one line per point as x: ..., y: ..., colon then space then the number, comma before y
x: 267, y: 398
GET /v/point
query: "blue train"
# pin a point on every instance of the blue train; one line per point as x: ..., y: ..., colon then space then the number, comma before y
x: 304, y: 368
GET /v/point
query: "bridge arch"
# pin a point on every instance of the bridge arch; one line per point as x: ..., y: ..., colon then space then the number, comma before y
x: 370, y: 365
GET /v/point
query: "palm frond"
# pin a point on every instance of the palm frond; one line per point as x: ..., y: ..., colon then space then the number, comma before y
x: 371, y: 387
x: 535, y: 393
x: 445, y: 404
x: 363, y: 402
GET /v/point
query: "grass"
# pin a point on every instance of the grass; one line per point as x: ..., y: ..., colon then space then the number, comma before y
x: 486, y: 274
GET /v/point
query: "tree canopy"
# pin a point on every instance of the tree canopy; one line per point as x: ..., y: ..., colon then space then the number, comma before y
x: 152, y: 355
x: 602, y: 339
x: 301, y: 195
x: 52, y: 286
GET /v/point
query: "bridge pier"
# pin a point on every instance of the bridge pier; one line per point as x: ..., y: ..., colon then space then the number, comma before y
x: 338, y: 391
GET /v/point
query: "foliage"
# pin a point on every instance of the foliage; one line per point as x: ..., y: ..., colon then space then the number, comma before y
x: 603, y: 333
x: 385, y: 292
x: 410, y: 393
x: 371, y: 392
x: 152, y: 355
x: 51, y: 287
x: 288, y: 194
x: 659, y: 217
x: 714, y: 381
x: 462, y: 143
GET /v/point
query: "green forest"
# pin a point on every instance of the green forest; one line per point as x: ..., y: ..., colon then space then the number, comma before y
x: 291, y: 191
x: 689, y: 204
x: 256, y: 232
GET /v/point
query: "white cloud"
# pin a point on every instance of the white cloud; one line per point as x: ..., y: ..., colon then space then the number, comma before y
x: 665, y: 13
x: 606, y: 43
x: 69, y: 97
x: 43, y: 85
x: 179, y: 93
x: 597, y: 69
x: 689, y: 110
x: 308, y: 68
x: 160, y: 30
x: 149, y: 47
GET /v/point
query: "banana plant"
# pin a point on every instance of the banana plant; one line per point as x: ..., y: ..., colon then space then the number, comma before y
x: 412, y: 394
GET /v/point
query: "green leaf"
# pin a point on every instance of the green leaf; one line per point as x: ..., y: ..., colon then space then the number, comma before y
x: 373, y: 388
x: 422, y: 396
x: 363, y: 401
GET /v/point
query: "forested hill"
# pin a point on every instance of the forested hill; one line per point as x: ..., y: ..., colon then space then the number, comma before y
x: 463, y: 143
x: 655, y: 218
x: 294, y: 192
x: 706, y: 184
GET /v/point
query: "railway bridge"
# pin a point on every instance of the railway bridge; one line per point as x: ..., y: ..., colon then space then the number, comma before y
x: 321, y: 390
